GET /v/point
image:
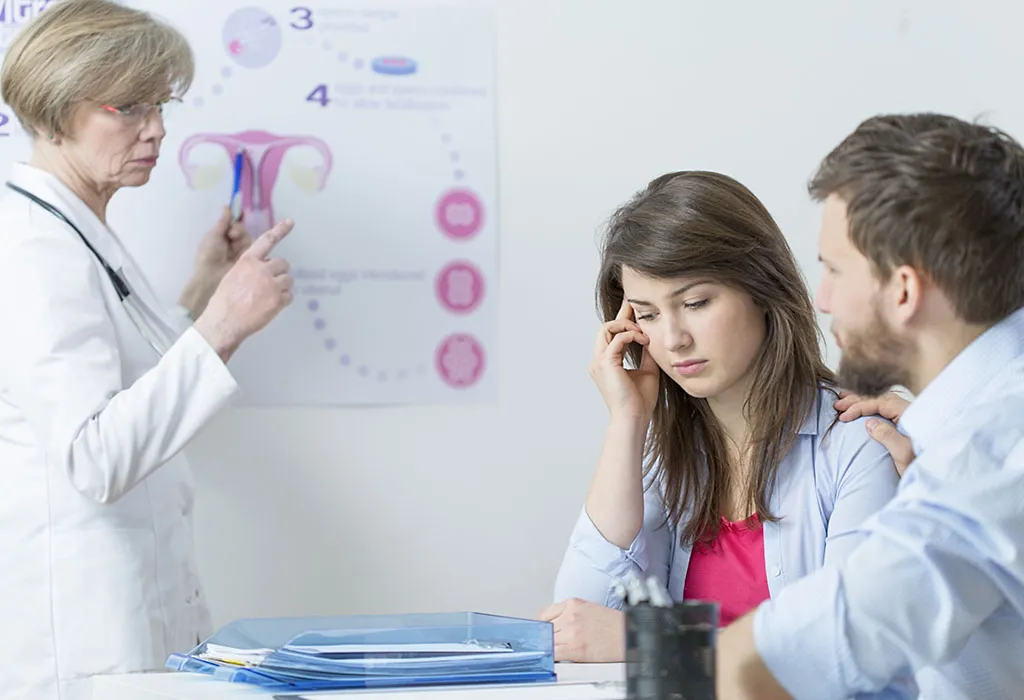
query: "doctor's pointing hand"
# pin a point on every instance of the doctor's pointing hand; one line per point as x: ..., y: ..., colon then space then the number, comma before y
x: 101, y: 386
x: 249, y: 296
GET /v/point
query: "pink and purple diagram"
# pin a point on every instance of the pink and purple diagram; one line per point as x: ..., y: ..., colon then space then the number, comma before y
x: 263, y: 153
x: 459, y: 359
x: 459, y: 286
x: 253, y: 39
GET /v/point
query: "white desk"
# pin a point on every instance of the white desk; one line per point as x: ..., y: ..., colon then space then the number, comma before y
x: 575, y: 682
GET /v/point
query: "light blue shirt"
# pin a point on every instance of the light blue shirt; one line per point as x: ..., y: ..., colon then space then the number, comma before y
x: 827, y: 485
x: 937, y: 587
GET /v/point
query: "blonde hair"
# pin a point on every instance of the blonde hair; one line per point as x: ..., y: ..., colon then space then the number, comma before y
x: 91, y: 50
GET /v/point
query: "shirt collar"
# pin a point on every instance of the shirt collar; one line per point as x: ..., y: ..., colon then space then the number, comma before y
x: 816, y: 420
x: 810, y: 424
x: 963, y: 380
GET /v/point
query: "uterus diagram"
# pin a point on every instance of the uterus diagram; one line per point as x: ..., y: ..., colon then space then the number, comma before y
x: 263, y: 154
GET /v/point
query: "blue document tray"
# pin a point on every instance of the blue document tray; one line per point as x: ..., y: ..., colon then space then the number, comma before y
x: 375, y: 651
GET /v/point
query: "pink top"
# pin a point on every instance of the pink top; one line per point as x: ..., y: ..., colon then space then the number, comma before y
x: 731, y: 570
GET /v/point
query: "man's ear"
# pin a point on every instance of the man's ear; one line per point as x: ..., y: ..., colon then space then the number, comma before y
x: 905, y: 293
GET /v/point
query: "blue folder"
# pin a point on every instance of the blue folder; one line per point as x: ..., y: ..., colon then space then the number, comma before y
x: 375, y: 651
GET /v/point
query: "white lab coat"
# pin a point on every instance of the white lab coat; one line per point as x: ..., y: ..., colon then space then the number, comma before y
x: 97, y: 566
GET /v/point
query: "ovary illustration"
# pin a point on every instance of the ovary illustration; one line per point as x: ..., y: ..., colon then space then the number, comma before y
x: 263, y: 153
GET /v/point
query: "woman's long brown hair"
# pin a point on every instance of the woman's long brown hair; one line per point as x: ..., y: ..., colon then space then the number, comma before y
x: 708, y: 225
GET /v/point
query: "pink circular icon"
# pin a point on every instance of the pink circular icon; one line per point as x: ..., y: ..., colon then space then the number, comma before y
x: 252, y: 37
x: 459, y: 213
x: 459, y: 287
x: 460, y: 360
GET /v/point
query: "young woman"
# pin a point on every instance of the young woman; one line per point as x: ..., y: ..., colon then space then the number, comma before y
x: 724, y: 471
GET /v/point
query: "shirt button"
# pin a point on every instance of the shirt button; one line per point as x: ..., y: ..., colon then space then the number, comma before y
x: 776, y: 571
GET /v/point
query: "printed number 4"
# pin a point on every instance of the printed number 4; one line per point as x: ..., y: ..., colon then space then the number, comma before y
x: 319, y: 95
x: 305, y: 18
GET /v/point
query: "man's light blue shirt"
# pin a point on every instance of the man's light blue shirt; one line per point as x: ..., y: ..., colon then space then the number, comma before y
x: 937, y: 586
x: 828, y: 483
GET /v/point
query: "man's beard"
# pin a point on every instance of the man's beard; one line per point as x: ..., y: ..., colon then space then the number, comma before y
x: 874, y: 359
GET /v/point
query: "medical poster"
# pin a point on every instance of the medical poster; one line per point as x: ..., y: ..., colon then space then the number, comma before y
x: 372, y: 126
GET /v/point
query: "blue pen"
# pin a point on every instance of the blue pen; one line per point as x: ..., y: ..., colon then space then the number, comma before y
x: 236, y: 200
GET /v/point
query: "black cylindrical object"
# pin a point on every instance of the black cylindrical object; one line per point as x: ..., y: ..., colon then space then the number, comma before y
x: 670, y: 651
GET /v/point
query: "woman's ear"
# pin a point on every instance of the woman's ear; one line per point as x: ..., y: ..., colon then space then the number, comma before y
x: 47, y: 134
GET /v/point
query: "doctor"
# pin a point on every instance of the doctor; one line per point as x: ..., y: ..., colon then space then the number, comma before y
x: 101, y: 388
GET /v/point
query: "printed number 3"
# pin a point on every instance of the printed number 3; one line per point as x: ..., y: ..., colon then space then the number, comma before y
x: 305, y: 18
x: 4, y: 119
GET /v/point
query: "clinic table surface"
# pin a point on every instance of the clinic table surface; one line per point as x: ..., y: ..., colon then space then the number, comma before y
x: 575, y: 682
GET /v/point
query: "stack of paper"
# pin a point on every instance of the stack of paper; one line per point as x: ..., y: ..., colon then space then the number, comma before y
x: 363, y: 659
x: 375, y: 651
x: 238, y: 657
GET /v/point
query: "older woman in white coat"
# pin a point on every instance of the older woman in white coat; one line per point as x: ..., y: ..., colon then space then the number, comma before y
x: 100, y: 387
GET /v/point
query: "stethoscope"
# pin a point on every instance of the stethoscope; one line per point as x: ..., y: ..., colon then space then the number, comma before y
x: 123, y: 292
x: 120, y: 285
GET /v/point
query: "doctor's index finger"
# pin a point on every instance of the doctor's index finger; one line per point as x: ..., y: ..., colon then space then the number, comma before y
x: 262, y: 246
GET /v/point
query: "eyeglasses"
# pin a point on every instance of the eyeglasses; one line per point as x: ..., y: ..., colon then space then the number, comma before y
x: 139, y: 112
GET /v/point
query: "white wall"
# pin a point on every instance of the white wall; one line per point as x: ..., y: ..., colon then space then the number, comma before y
x: 407, y: 509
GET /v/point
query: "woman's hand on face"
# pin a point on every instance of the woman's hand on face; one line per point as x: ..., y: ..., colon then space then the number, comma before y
x: 628, y: 393
x: 586, y: 632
